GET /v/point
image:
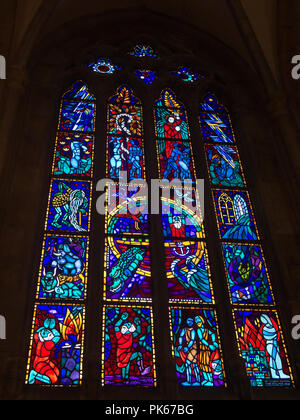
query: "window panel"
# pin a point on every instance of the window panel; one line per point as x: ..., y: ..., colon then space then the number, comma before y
x: 64, y: 267
x: 127, y: 211
x: 247, y: 274
x: 225, y: 169
x: 128, y: 340
x: 74, y: 154
x: 56, y: 346
x: 127, y: 273
x: 56, y: 349
x: 69, y: 206
x: 188, y: 272
x: 261, y: 345
x: 196, y: 347
x: 258, y: 331
x: 235, y: 215
x: 77, y: 116
x: 125, y: 155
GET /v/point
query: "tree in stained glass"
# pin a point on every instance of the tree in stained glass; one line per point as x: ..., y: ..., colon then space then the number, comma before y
x: 247, y: 274
x: 215, y: 121
x: 129, y: 357
x: 63, y: 273
x: 127, y: 274
x: 69, y: 206
x: 188, y: 272
x: 235, y: 215
x: 73, y: 154
x: 196, y: 347
x: 224, y: 166
x: 186, y: 75
x: 142, y: 50
x: 56, y: 346
x: 262, y: 346
x: 104, y: 66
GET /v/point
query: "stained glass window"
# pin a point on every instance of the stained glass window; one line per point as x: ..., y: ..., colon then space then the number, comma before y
x: 186, y: 75
x: 142, y: 50
x: 128, y: 357
x: 215, y: 122
x: 56, y: 347
x: 128, y: 341
x: 196, y: 347
x: 147, y: 76
x: 194, y: 331
x: 256, y: 320
x: 104, y: 66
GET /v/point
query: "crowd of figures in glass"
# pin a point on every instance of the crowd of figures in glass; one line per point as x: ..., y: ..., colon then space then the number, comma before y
x: 263, y: 349
x: 56, y: 348
x: 125, y: 146
x: 128, y: 342
x: 196, y: 347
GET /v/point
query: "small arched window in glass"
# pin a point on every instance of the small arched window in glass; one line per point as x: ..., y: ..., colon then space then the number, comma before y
x: 187, y: 75
x: 256, y: 320
x: 128, y: 339
x: 104, y: 66
x: 56, y: 347
x: 198, y: 364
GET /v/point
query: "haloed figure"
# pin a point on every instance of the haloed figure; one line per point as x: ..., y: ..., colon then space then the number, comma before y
x: 188, y: 352
x: 126, y: 332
